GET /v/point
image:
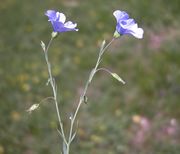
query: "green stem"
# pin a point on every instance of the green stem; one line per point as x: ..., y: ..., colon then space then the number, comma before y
x: 81, y: 100
x: 54, y: 89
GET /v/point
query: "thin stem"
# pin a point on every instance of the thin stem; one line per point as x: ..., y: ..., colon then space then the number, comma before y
x: 82, y: 97
x: 104, y: 69
x: 43, y: 101
x: 54, y: 89
x: 104, y: 49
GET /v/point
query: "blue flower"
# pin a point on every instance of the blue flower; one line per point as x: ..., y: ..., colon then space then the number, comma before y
x: 126, y: 25
x: 58, y: 19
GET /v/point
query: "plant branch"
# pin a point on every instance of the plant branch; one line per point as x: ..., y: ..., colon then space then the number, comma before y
x: 83, y: 95
x: 54, y: 89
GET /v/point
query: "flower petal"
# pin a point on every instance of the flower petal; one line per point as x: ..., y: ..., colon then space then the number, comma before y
x: 60, y: 17
x: 51, y: 14
x: 138, y: 33
x: 127, y: 23
x: 57, y: 26
x: 60, y: 27
x: 120, y: 15
x: 135, y: 31
x: 70, y: 25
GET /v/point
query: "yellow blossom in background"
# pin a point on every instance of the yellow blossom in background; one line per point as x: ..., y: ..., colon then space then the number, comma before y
x: 76, y: 59
x: 7, y: 4
x: 81, y: 133
x: 96, y: 139
x: 53, y: 124
x: 92, y: 13
x: 28, y: 28
x: 44, y: 74
x: 1, y: 149
x: 26, y: 87
x: 22, y: 78
x: 79, y: 43
x: 35, y: 79
x: 67, y: 93
x: 100, y: 25
x: 118, y: 112
x: 56, y: 71
x: 99, y: 42
x: 34, y: 66
x: 15, y: 116
x: 70, y: 3
x: 107, y: 35
x: 136, y: 119
x: 102, y: 127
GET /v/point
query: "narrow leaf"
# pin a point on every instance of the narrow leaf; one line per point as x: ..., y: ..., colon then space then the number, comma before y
x: 43, y: 45
x: 102, y: 46
x: 91, y: 75
x: 48, y: 81
x: 117, y: 77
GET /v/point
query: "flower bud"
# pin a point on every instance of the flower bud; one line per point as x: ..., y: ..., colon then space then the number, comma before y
x: 54, y: 34
x: 116, y: 34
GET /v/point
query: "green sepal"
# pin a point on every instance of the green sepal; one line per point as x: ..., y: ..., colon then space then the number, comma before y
x: 54, y: 34
x: 116, y: 34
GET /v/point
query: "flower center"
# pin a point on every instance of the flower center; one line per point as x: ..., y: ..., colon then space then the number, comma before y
x: 123, y: 22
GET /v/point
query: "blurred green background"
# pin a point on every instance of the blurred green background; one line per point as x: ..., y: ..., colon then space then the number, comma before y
x: 141, y: 117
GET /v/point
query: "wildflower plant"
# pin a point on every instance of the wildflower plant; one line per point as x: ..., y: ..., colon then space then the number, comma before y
x: 125, y: 26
